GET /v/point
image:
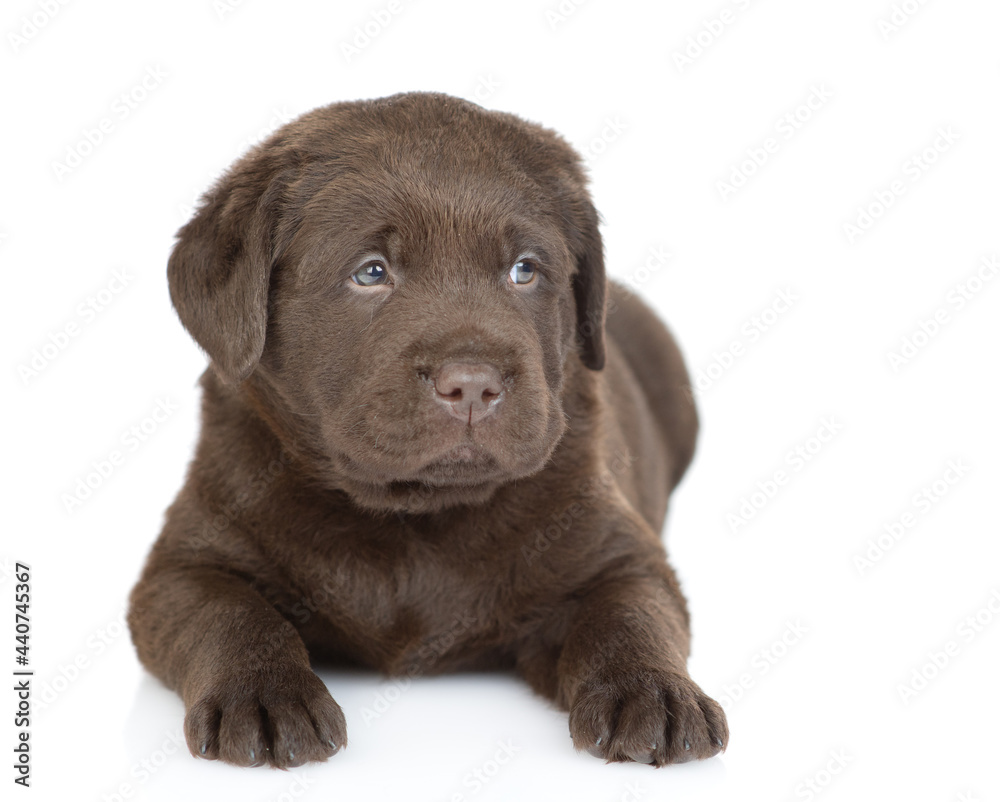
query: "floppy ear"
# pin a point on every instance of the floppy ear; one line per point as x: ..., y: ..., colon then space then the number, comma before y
x: 220, y: 268
x: 590, y: 287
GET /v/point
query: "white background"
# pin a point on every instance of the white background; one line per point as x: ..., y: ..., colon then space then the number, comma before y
x: 781, y: 591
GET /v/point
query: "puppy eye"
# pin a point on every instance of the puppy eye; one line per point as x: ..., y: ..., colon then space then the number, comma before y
x: 371, y: 274
x: 523, y: 272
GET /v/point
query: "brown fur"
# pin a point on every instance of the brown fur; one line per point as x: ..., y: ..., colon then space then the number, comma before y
x: 334, y: 510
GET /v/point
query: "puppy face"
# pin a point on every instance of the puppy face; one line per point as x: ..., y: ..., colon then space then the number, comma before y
x: 400, y: 286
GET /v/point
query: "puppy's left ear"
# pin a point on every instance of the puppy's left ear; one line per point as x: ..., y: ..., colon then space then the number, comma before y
x: 590, y: 286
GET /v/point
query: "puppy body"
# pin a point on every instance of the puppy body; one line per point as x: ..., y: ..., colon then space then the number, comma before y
x: 338, y: 508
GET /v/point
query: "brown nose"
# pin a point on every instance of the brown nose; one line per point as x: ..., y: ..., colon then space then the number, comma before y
x: 469, y: 390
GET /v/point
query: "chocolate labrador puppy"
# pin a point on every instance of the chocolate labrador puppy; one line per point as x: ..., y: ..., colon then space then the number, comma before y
x: 434, y: 438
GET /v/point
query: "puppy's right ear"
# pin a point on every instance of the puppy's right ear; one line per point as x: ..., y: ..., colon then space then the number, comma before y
x: 220, y: 268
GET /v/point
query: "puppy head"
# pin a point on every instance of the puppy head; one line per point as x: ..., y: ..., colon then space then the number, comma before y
x: 401, y: 286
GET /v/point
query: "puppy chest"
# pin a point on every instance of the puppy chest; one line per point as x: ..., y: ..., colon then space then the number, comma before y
x: 400, y: 617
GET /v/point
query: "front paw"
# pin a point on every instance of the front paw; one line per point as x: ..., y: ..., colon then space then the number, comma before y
x: 282, y: 718
x: 656, y: 717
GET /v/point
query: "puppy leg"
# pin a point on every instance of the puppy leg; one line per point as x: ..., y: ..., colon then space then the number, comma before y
x: 615, y: 658
x: 250, y: 695
x: 622, y: 674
